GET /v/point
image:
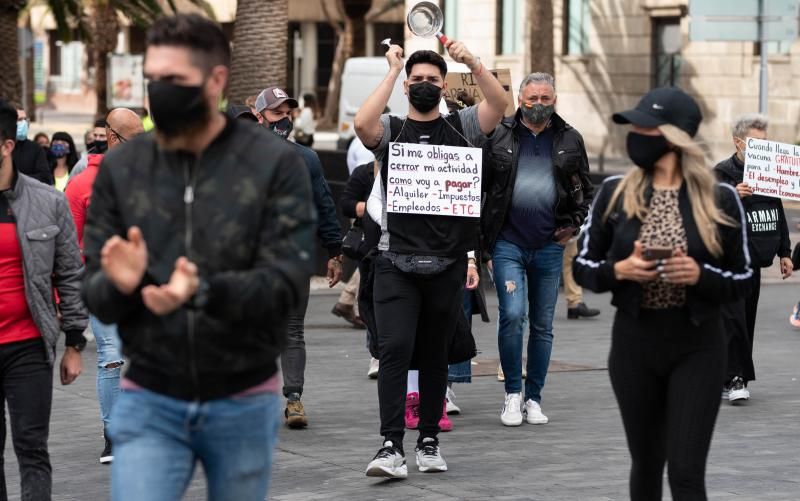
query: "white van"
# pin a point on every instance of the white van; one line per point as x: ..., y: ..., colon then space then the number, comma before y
x: 361, y: 76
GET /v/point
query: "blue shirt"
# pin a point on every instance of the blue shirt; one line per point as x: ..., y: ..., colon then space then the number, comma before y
x: 531, y: 222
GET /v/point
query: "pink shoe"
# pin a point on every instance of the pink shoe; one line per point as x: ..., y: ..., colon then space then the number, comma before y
x: 445, y: 424
x: 412, y: 411
x: 795, y: 318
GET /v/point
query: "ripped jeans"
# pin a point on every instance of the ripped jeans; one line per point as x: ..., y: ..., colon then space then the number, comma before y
x: 109, y: 353
x: 526, y: 281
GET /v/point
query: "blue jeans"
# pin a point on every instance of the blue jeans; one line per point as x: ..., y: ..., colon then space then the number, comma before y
x: 158, y: 440
x: 462, y: 372
x: 109, y: 353
x: 526, y: 281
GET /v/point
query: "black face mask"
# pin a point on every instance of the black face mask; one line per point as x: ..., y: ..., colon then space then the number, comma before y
x: 99, y: 147
x: 424, y: 96
x: 645, y: 151
x: 282, y: 127
x: 176, y: 108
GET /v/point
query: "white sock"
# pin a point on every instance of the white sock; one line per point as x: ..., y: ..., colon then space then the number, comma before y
x: 413, y: 382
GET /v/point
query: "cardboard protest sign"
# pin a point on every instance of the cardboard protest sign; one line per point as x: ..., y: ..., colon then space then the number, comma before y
x: 457, y: 82
x: 434, y: 179
x: 772, y: 168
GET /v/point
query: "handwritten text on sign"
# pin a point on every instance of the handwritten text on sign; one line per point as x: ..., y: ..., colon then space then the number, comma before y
x: 434, y: 179
x: 772, y: 168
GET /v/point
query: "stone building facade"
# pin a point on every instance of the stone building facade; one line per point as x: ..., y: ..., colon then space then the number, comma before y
x: 610, y: 52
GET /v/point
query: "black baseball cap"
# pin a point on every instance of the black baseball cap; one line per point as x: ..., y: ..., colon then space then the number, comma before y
x: 241, y: 111
x: 664, y: 105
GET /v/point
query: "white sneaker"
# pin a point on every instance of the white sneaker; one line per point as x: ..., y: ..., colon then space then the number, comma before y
x: 533, y: 413
x: 450, y: 401
x: 429, y: 458
x: 372, y: 373
x: 389, y: 462
x: 512, y: 415
x: 738, y: 391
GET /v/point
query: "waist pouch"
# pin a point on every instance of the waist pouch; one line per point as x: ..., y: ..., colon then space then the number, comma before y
x: 420, y: 265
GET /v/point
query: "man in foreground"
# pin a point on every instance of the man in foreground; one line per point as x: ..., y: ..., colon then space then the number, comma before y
x: 197, y: 246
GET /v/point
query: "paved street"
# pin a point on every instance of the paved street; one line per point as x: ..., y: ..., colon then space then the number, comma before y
x: 580, y: 455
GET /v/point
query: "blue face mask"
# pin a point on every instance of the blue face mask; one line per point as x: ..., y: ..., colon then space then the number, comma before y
x: 59, y: 150
x: 22, y: 130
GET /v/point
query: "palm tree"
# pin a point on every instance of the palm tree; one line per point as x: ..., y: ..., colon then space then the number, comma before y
x: 97, y: 19
x: 103, y: 26
x: 540, y: 16
x: 11, y: 80
x: 259, y: 47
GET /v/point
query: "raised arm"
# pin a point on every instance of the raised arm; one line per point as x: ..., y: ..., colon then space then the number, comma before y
x: 492, y: 108
x: 368, y: 119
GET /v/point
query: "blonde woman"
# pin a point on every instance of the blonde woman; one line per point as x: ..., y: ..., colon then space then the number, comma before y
x: 669, y: 242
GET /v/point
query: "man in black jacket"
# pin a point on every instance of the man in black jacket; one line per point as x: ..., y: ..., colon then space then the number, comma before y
x: 768, y: 236
x: 30, y: 158
x: 538, y: 195
x: 274, y: 107
x: 219, y: 223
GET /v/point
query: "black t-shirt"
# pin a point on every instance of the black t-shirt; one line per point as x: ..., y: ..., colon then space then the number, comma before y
x: 424, y: 234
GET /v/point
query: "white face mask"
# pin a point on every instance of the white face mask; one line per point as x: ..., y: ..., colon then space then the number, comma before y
x: 737, y: 143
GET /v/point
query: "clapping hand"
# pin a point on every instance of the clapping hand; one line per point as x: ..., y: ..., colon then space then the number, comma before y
x: 125, y: 261
x: 183, y: 283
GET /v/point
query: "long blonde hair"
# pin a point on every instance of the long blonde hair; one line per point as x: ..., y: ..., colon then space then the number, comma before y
x: 700, y: 185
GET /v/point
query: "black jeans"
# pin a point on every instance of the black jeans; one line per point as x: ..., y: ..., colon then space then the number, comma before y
x: 27, y: 387
x: 293, y: 358
x: 415, y: 317
x: 667, y: 374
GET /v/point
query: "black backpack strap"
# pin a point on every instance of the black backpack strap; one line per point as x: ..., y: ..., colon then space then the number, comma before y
x: 395, y: 126
x: 455, y: 120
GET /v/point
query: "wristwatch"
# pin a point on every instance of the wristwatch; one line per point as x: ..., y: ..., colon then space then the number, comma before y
x: 76, y: 342
x: 200, y: 298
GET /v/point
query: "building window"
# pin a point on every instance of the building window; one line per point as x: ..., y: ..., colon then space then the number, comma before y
x: 136, y: 40
x: 451, y: 22
x: 576, y: 23
x: 667, y: 39
x: 511, y: 18
x: 55, y: 52
x: 781, y: 48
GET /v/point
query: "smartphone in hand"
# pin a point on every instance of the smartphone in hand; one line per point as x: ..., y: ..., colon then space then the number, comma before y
x: 656, y: 253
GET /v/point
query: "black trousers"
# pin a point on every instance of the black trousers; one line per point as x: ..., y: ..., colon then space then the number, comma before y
x: 667, y: 374
x: 740, y: 323
x: 415, y: 316
x: 26, y: 383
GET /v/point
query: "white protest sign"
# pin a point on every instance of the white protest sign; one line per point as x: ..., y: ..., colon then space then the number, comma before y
x: 434, y: 179
x: 772, y: 168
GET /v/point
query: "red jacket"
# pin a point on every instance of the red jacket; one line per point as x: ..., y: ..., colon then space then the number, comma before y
x: 79, y: 193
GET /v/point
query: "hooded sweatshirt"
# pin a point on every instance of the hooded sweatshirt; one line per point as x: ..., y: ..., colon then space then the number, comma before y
x: 767, y: 231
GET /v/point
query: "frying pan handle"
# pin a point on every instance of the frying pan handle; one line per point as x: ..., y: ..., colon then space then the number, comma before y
x: 441, y: 37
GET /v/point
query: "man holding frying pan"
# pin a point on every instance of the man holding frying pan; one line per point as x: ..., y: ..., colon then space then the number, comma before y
x: 420, y: 274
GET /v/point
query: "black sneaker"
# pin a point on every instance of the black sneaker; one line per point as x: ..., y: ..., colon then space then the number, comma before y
x: 581, y: 311
x: 107, y: 456
x: 389, y: 462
